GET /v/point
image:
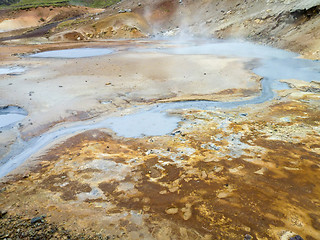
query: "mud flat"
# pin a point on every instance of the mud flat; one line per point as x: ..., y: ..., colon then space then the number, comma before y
x: 176, y: 140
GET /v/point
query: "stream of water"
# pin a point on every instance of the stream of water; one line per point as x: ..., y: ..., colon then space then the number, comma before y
x: 272, y: 64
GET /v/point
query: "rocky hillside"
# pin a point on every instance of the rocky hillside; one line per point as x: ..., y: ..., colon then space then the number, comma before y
x: 288, y: 24
x: 293, y: 25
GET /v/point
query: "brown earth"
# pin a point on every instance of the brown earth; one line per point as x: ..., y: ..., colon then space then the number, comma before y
x: 35, y: 17
x: 257, y: 176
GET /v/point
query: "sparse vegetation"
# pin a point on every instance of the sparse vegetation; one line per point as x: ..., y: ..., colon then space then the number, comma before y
x: 69, y: 23
x: 95, y: 3
x: 24, y: 4
x: 8, y: 2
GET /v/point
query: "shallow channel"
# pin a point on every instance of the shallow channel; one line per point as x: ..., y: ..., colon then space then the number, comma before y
x: 272, y: 64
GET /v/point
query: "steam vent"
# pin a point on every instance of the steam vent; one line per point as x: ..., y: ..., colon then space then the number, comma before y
x: 160, y: 120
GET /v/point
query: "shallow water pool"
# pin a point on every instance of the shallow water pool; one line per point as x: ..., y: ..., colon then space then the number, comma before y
x: 73, y: 53
x: 11, y: 115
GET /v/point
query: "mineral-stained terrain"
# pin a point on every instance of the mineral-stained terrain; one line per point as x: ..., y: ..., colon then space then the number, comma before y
x: 247, y: 172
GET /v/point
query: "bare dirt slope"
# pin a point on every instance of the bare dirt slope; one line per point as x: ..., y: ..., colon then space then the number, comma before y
x: 22, y: 20
x: 292, y: 25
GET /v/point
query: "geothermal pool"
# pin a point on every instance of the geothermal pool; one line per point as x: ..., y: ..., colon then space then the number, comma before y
x: 270, y: 63
x: 11, y: 115
x: 73, y: 53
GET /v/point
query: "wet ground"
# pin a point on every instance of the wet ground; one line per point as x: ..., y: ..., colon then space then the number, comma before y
x: 244, y: 166
x: 11, y: 115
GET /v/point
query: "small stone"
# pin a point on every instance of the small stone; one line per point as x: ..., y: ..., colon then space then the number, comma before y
x: 174, y: 189
x: 222, y: 195
x: 176, y: 132
x: 37, y: 219
x: 296, y: 237
x: 146, y: 208
x: 3, y: 213
x: 261, y: 171
x: 204, y: 174
x: 247, y: 237
x: 187, y: 213
x: 172, y: 211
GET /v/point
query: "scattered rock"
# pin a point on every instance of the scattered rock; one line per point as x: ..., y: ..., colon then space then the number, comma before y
x: 19, y: 227
x: 211, y: 146
x: 125, y: 10
x: 146, y: 208
x: 261, y: 171
x: 172, y: 210
x: 247, y: 237
x: 187, y: 212
x: 235, y: 170
x: 296, y: 237
x: 204, y: 175
x: 3, y: 213
x: 174, y: 189
x: 37, y: 219
x: 223, y: 195
x: 176, y: 132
